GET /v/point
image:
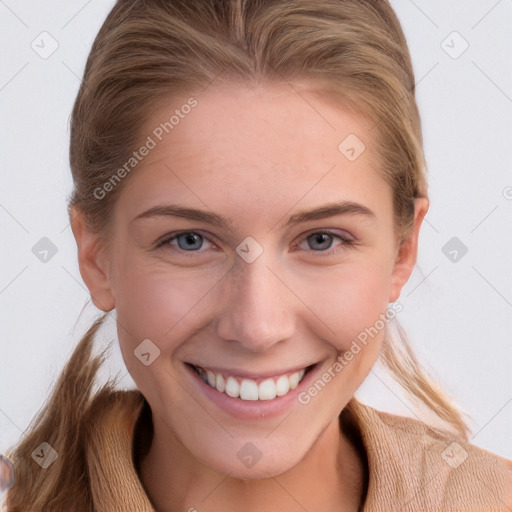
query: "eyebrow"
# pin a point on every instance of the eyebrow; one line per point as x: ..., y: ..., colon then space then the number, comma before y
x: 327, y: 210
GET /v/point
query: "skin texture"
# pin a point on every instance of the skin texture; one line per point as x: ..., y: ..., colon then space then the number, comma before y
x: 255, y: 155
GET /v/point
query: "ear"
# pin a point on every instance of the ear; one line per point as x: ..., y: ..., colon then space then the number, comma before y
x: 92, y: 261
x: 408, y: 250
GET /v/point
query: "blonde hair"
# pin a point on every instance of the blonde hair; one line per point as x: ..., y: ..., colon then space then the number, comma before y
x: 148, y: 50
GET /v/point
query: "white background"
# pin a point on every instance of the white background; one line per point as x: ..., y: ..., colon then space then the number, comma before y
x: 458, y: 315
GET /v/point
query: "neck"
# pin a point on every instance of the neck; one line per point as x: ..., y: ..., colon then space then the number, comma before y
x: 331, y: 477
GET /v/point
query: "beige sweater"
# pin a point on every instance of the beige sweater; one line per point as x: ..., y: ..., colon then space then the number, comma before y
x: 412, y: 467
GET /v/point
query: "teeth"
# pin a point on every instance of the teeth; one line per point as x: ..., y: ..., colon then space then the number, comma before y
x: 232, y: 387
x: 267, y: 390
x: 294, y: 380
x: 282, y: 386
x: 249, y: 389
x: 221, y: 383
x: 211, y: 378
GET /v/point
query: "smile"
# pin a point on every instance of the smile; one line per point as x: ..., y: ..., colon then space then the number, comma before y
x: 250, y: 389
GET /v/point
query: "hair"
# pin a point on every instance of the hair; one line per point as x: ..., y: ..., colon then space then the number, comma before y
x: 147, y: 51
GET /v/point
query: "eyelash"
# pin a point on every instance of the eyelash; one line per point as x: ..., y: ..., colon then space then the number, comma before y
x: 347, y: 243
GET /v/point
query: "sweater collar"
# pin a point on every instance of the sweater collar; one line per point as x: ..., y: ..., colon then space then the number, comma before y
x: 388, y: 441
x: 113, y: 456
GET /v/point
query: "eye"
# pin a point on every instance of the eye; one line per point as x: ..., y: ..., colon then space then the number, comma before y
x: 323, y: 241
x: 187, y: 241
x: 191, y: 242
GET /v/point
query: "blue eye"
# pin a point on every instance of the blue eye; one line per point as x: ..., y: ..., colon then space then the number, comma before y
x: 191, y: 242
x: 185, y: 240
x: 321, y: 237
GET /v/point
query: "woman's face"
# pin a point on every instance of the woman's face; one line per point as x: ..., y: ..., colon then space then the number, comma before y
x: 258, y: 278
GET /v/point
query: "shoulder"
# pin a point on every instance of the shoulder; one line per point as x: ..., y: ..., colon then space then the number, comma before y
x: 430, y: 467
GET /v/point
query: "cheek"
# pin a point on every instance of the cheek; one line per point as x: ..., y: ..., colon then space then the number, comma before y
x: 350, y: 299
x: 157, y: 306
x: 151, y: 303
x: 355, y: 310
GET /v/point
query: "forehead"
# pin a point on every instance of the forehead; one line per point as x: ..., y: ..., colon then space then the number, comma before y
x: 279, y: 115
x: 259, y: 143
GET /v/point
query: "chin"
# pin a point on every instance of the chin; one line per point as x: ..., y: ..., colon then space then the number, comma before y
x: 252, y: 460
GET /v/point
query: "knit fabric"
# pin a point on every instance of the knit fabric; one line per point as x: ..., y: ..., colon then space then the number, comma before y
x: 412, y: 467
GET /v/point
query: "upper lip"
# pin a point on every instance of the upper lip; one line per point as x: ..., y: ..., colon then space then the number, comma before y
x: 247, y: 374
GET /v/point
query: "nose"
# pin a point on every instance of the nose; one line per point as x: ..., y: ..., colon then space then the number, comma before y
x: 259, y: 307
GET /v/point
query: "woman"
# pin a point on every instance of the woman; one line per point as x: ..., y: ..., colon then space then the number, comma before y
x: 253, y: 131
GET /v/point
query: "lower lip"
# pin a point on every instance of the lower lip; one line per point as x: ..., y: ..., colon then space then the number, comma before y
x: 253, y: 409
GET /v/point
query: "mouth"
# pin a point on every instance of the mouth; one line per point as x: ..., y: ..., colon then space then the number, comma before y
x: 258, y: 389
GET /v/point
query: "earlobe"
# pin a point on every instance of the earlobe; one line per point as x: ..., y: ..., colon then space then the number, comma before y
x: 92, y: 262
x: 408, y: 251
